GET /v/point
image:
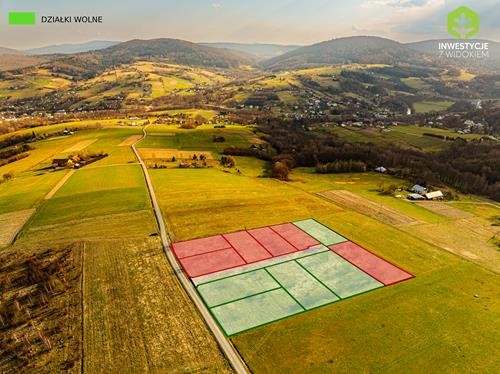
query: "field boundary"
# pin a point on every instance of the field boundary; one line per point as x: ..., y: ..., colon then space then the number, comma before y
x: 228, y: 349
x: 267, y: 265
x: 368, y: 207
x: 304, y: 309
x: 59, y: 184
x: 380, y: 257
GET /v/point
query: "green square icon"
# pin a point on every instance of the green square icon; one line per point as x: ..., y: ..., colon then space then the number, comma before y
x: 22, y: 18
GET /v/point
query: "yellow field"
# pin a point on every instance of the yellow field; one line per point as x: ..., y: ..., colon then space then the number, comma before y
x: 444, y: 209
x: 80, y: 146
x: 137, y: 317
x: 471, y: 238
x: 130, y: 140
x: 162, y: 153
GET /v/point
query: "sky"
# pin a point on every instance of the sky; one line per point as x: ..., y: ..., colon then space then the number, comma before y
x: 245, y: 21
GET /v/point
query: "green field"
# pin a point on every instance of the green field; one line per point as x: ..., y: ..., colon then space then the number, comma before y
x: 199, y: 139
x: 405, y: 136
x: 431, y: 106
x: 95, y: 192
x: 26, y: 191
x: 409, y: 326
x: 443, y: 320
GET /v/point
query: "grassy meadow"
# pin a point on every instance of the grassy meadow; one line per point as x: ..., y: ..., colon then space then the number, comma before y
x: 406, y: 327
x: 405, y: 136
x: 443, y: 320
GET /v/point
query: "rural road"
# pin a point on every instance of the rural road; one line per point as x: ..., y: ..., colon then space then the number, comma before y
x: 229, y: 351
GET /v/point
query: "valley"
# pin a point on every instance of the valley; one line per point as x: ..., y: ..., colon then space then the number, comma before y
x: 339, y: 133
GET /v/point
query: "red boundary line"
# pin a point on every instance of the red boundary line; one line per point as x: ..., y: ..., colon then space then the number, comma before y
x: 282, y: 237
x: 298, y: 249
x: 215, y: 271
x: 257, y: 240
x: 246, y: 231
x: 364, y: 271
x: 203, y: 253
x: 348, y: 240
x: 352, y: 241
x: 234, y: 249
x: 248, y: 263
x: 383, y: 259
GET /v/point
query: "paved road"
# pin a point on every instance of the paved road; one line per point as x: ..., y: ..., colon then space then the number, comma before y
x: 231, y: 354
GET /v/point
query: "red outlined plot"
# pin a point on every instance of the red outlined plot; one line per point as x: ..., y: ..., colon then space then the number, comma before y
x: 247, y: 246
x: 199, y: 246
x: 371, y: 264
x: 270, y: 240
x: 211, y: 262
x: 295, y: 236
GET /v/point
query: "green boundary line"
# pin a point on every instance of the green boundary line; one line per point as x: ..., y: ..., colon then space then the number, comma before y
x: 246, y: 297
x: 289, y: 294
x: 326, y: 227
x: 262, y: 268
x: 324, y: 285
x: 281, y: 287
x: 354, y: 266
x: 241, y: 298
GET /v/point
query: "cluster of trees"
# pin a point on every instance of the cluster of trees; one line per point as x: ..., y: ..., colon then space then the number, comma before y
x: 39, y: 298
x: 228, y: 161
x: 7, y: 177
x: 469, y: 166
x: 341, y: 166
x: 262, y: 152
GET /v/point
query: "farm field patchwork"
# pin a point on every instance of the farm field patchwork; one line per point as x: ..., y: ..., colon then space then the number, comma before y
x: 254, y: 277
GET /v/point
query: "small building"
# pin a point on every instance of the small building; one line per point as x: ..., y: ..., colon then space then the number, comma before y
x: 415, y: 196
x: 381, y: 169
x: 418, y: 189
x: 436, y: 195
x: 60, y: 162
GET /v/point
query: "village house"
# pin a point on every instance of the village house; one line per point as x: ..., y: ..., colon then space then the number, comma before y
x: 435, y: 195
x: 418, y: 189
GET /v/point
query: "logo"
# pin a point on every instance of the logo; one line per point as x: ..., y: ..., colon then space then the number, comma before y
x: 463, y: 23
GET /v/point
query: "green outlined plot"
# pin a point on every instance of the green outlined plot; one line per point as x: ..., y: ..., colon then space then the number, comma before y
x: 237, y: 287
x: 319, y: 232
x: 248, y: 294
x: 338, y: 275
x: 309, y: 292
x: 255, y: 311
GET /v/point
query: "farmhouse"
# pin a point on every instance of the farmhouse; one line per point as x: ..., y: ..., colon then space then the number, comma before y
x: 60, y: 162
x: 418, y: 189
x: 415, y: 196
x: 436, y: 195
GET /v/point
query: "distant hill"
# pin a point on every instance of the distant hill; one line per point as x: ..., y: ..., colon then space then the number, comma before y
x: 71, y: 48
x: 11, y: 59
x: 9, y: 51
x: 260, y: 51
x: 430, y: 47
x: 88, y: 64
x: 355, y: 49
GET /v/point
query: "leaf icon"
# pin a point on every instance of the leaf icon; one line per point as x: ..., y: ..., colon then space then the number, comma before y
x: 463, y: 23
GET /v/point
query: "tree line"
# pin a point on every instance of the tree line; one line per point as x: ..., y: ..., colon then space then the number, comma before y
x: 468, y: 166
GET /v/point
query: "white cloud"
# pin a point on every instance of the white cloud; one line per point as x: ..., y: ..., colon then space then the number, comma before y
x: 216, y: 5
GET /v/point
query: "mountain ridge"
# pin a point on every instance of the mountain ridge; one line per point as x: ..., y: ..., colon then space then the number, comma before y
x: 70, y: 48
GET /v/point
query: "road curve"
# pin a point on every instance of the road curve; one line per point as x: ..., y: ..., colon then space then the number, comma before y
x: 229, y: 351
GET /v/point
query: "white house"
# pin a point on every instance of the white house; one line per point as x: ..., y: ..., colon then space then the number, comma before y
x: 436, y: 195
